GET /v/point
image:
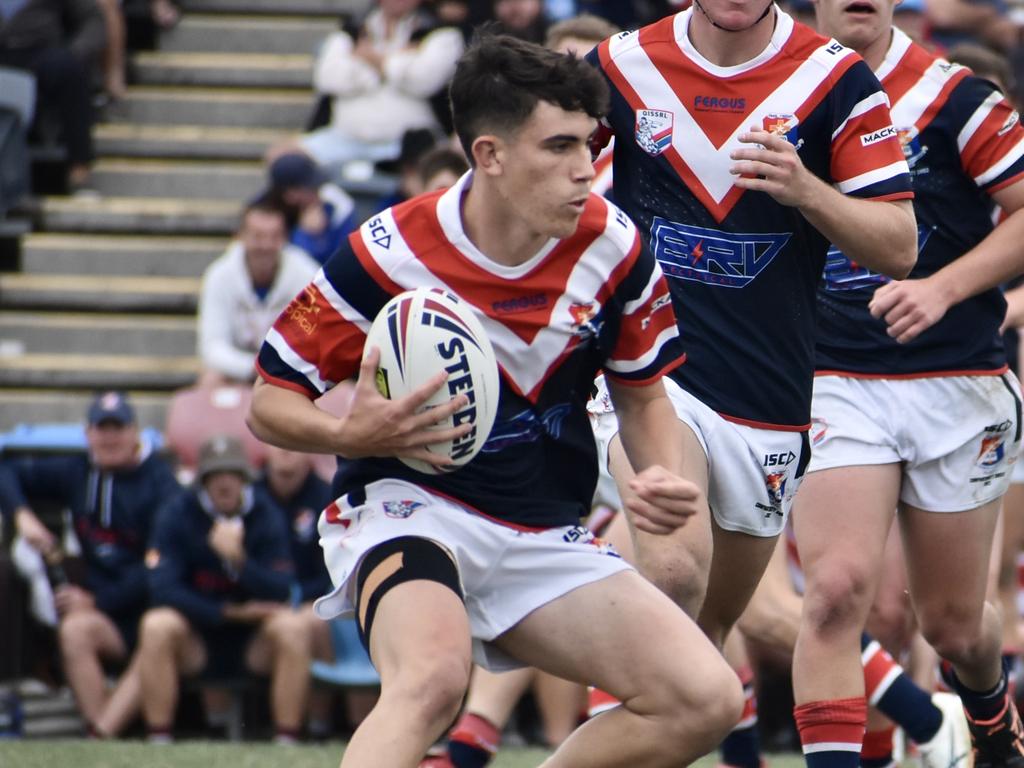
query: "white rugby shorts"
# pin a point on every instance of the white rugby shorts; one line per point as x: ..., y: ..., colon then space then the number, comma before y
x: 753, y: 474
x: 506, y: 572
x: 957, y: 437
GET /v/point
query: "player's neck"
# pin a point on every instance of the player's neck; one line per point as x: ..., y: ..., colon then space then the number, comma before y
x: 728, y: 49
x: 498, y: 233
x: 874, y: 53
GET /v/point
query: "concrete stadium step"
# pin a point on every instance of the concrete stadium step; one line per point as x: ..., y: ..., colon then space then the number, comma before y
x: 259, y: 70
x: 54, y: 371
x: 331, y: 8
x: 238, y: 107
x: 93, y: 333
x: 77, y: 253
x: 101, y: 293
x: 186, y: 141
x: 235, y: 33
x: 44, y: 406
x: 150, y: 215
x: 135, y: 177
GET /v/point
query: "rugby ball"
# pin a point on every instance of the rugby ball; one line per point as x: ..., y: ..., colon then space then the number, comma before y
x: 427, y: 330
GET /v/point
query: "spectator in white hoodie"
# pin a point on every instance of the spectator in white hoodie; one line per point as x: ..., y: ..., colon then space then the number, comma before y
x: 243, y: 292
x: 381, y: 79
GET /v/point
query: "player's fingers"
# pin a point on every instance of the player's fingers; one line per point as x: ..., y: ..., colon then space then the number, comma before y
x: 439, y: 413
x: 439, y: 460
x: 415, y: 399
x: 645, y: 525
x: 368, y: 368
x: 656, y: 513
x: 422, y: 437
x: 754, y: 168
x: 881, y: 304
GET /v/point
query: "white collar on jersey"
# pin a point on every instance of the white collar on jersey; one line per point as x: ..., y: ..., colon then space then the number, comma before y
x: 783, y: 29
x: 449, y: 215
x: 897, y: 50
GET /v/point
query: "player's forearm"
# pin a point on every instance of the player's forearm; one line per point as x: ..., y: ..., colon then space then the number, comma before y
x: 290, y: 420
x: 879, y: 235
x: 650, y: 432
x: 991, y: 262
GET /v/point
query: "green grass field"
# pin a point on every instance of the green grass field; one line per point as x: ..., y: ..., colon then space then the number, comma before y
x: 197, y: 754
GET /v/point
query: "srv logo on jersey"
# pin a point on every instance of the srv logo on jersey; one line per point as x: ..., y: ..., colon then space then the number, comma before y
x: 654, y: 130
x: 731, y: 259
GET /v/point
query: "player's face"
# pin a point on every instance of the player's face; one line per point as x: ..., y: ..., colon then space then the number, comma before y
x: 113, y: 445
x: 547, y: 170
x: 856, y: 24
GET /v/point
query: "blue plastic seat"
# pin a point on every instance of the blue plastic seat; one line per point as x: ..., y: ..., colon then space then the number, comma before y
x: 351, y: 667
x: 58, y: 438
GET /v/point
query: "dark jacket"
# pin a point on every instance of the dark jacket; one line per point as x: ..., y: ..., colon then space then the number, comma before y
x: 186, y: 574
x: 74, y: 24
x: 112, y: 512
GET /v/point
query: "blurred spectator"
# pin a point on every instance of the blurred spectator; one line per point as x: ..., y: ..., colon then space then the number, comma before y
x: 318, y: 212
x: 113, y: 493
x: 381, y: 79
x: 33, y: 37
x: 113, y: 54
x: 987, y: 64
x: 165, y: 13
x: 979, y: 21
x: 415, y: 144
x: 521, y: 18
x: 579, y: 34
x: 244, y: 291
x: 220, y: 570
x: 440, y: 168
x: 454, y: 13
x: 289, y: 480
x: 910, y: 16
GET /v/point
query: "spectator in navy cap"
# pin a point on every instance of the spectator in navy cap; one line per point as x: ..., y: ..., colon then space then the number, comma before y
x: 113, y: 491
x: 319, y: 213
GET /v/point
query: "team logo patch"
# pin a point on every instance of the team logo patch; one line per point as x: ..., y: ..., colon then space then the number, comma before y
x: 911, y: 145
x: 992, y: 451
x: 400, y: 510
x: 782, y: 125
x: 654, y: 130
x: 775, y: 482
x: 1011, y: 121
x: 303, y: 310
x: 583, y: 315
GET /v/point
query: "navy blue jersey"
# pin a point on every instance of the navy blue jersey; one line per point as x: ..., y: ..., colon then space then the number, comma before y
x: 963, y: 142
x: 112, y: 512
x: 591, y: 301
x: 301, y: 513
x: 742, y: 268
x: 186, y: 574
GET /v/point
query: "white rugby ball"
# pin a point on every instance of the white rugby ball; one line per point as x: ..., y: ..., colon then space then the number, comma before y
x: 427, y: 330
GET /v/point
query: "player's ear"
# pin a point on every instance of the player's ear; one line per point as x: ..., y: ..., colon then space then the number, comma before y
x: 488, y: 154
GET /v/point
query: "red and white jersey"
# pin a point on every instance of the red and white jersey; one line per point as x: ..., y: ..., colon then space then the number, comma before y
x: 742, y: 267
x: 592, y: 301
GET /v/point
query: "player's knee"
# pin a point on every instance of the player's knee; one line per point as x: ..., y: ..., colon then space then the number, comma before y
x: 837, y: 600
x: 289, y: 632
x: 954, y: 631
x: 436, y: 687
x: 698, y: 711
x: 680, y: 575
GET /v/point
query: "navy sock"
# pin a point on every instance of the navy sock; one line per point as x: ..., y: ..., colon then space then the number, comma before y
x: 981, y: 705
x: 895, y: 695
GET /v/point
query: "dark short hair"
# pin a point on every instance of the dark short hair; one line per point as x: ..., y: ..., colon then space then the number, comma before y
x: 500, y: 80
x: 267, y: 201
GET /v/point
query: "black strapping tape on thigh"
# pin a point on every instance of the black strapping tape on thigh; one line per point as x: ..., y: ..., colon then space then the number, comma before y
x: 421, y: 559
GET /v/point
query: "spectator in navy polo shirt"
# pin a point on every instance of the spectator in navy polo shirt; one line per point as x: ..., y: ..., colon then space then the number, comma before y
x: 113, y: 491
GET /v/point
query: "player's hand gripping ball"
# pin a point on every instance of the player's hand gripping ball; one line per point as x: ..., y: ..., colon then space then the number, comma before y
x: 426, y: 330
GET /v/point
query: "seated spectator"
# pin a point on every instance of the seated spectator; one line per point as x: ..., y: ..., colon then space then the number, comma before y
x: 381, y: 78
x: 288, y: 479
x: 244, y: 291
x: 219, y: 574
x: 579, y: 34
x: 975, y: 21
x: 113, y: 493
x: 33, y: 37
x: 319, y: 213
x: 440, y: 168
x: 521, y: 18
x: 415, y: 144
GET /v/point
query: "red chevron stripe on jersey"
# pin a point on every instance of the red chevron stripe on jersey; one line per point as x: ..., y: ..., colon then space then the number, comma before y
x: 535, y: 314
x: 790, y: 78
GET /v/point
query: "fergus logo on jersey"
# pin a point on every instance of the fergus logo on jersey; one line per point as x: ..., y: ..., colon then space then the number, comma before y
x: 654, y: 130
x: 426, y: 330
x: 719, y: 104
x: 730, y: 259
